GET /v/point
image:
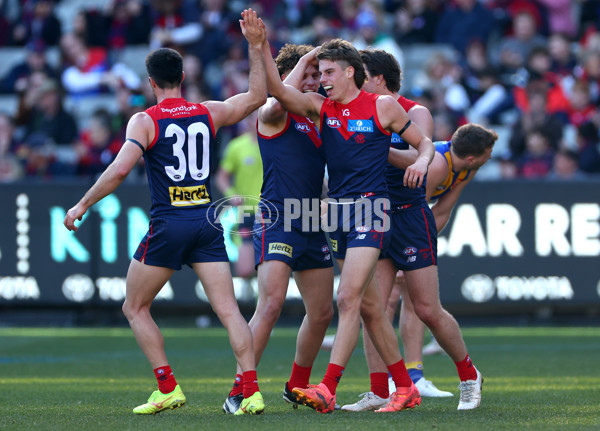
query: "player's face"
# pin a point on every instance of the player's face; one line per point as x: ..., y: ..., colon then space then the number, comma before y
x: 333, y: 79
x: 310, y: 80
x: 479, y: 161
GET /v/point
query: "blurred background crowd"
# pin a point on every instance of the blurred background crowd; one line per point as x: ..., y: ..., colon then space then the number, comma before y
x: 72, y: 72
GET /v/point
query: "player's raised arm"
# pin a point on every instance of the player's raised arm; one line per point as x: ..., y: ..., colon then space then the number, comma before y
x: 139, y: 129
x: 292, y: 99
x: 238, y: 107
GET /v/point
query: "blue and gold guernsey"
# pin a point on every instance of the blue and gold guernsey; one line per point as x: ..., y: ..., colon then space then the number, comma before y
x: 356, y: 147
x: 293, y: 162
x: 399, y: 194
x: 453, y: 177
x: 178, y: 159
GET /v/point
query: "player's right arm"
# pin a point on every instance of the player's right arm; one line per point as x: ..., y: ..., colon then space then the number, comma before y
x: 238, y: 107
x: 292, y: 99
x: 444, y: 206
x: 140, y: 132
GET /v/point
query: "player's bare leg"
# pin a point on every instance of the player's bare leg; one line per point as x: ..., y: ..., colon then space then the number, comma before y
x: 218, y: 286
x: 424, y: 294
x: 143, y: 284
x: 316, y: 288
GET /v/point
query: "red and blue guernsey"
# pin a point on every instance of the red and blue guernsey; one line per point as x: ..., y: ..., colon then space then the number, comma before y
x: 178, y: 159
x: 399, y: 194
x: 356, y: 147
x: 293, y: 162
x: 453, y: 177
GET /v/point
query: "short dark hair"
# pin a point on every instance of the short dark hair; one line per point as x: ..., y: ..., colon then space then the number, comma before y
x: 165, y: 67
x: 342, y: 50
x: 379, y: 62
x: 289, y: 56
x: 472, y: 140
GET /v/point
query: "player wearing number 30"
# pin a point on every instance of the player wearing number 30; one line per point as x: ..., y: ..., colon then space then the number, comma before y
x: 176, y: 138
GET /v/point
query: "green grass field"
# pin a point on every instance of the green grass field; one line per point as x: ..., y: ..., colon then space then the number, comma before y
x: 90, y: 379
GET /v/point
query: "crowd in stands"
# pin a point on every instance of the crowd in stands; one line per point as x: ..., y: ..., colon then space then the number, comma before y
x: 530, y: 67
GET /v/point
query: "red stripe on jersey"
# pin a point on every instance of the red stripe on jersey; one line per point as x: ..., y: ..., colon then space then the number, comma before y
x: 428, y: 236
x: 276, y: 135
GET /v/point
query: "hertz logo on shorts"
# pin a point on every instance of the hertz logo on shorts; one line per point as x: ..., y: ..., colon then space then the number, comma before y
x: 188, y: 196
x: 334, y: 245
x: 281, y: 248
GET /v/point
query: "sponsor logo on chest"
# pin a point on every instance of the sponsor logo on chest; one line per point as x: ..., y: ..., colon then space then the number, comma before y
x: 360, y: 125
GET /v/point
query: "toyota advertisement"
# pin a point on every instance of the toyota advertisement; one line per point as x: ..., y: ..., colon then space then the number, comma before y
x: 507, y: 244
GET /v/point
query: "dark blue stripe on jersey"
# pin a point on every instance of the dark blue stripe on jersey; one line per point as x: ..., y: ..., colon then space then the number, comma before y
x: 293, y: 162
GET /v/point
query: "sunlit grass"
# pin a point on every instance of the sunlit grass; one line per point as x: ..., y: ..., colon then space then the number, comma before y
x: 90, y: 379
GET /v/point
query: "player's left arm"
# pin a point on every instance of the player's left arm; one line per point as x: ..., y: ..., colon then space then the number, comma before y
x: 420, y: 116
x: 444, y: 206
x: 394, y: 118
x: 140, y: 132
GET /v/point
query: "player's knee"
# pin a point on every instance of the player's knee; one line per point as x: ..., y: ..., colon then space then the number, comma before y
x: 425, y: 313
x: 322, y: 317
x: 348, y: 303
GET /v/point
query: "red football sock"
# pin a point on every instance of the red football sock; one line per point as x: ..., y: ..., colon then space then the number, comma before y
x: 238, y: 386
x: 379, y: 384
x: 400, y: 375
x: 466, y: 370
x: 250, y: 383
x: 300, y: 376
x: 165, y: 378
x: 332, y: 377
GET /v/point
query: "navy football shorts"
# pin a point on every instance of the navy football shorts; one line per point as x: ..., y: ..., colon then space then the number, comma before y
x: 414, y: 239
x: 359, y: 224
x: 173, y: 242
x: 300, y: 250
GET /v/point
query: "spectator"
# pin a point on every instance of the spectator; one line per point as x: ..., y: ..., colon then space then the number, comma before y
x: 563, y: 59
x: 560, y: 16
x: 589, y: 70
x: 10, y: 167
x: 369, y: 25
x: 415, y: 22
x: 588, y: 147
x: 581, y: 109
x: 49, y: 132
x: 35, y: 60
x: 566, y: 166
x: 514, y: 50
x: 460, y: 24
x: 487, y: 97
x: 444, y: 125
x: 38, y: 21
x: 119, y: 23
x: 534, y: 114
x: 537, y: 159
x: 98, y: 146
x: 89, y: 71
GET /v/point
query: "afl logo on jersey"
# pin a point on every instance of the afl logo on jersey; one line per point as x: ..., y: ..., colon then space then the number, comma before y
x: 303, y: 127
x: 334, y: 123
x: 410, y: 251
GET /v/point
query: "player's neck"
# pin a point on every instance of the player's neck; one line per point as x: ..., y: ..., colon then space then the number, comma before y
x: 350, y: 95
x: 458, y: 164
x: 171, y: 93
